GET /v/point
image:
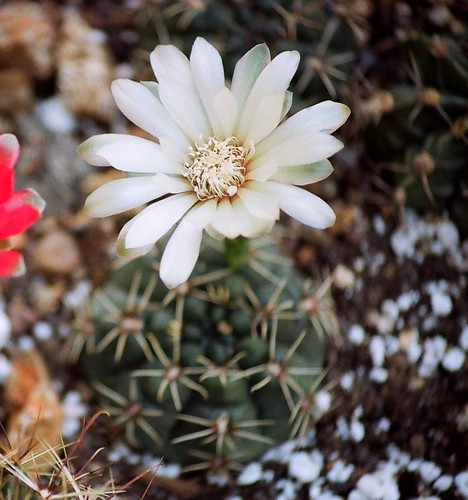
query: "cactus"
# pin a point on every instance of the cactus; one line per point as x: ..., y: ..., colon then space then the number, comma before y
x: 216, y: 367
x: 421, y: 136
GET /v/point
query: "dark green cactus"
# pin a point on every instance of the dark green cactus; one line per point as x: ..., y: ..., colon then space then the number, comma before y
x: 216, y: 367
x: 422, y: 137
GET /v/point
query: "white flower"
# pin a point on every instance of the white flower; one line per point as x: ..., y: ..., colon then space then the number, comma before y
x: 222, y: 163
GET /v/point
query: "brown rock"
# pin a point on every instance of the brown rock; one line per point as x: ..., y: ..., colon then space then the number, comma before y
x: 26, y: 38
x: 85, y: 69
x: 15, y: 90
x: 57, y: 252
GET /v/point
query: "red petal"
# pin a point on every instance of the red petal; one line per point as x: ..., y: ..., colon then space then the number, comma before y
x: 9, y: 151
x: 11, y: 263
x: 19, y: 212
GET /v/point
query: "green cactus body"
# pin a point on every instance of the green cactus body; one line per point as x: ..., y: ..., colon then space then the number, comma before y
x: 214, y: 367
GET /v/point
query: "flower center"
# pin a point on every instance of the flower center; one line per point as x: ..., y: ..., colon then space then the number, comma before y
x: 216, y: 168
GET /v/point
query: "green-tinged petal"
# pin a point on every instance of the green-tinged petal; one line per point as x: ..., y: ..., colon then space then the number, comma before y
x: 130, y: 253
x: 287, y: 103
x: 246, y: 72
x: 121, y: 195
x: 259, y: 204
x: 208, y: 75
x: 300, y: 204
x: 154, y: 221
x: 140, y: 106
x: 324, y: 117
x: 303, y: 174
x: 300, y: 150
x: 274, y: 80
x: 128, y: 153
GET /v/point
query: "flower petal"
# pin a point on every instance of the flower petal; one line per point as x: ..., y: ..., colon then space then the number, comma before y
x: 258, y: 203
x: 225, y: 108
x: 246, y: 72
x: 9, y: 152
x: 130, y: 253
x: 154, y: 221
x: 249, y: 226
x: 325, y: 117
x: 274, y: 80
x: 208, y: 75
x: 300, y: 150
x: 169, y: 61
x: 301, y: 205
x: 266, y: 118
x: 128, y: 153
x: 182, y: 249
x: 140, y: 106
x: 11, y: 264
x: 185, y: 108
x: 120, y: 195
x: 225, y: 220
x: 263, y: 171
x: 22, y: 209
x: 303, y: 174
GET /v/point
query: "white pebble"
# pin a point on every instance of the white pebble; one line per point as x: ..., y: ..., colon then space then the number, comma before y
x: 25, y: 343
x: 461, y: 482
x: 357, y: 431
x: 464, y: 338
x: 356, y: 334
x: 383, y: 425
x: 434, y: 350
x: 441, y: 303
x: 408, y: 300
x: 169, y: 470
x: 443, y: 483
x: 377, y: 350
x: 287, y: 490
x: 340, y: 472
x: 347, y: 381
x: 43, y: 330
x: 322, y: 402
x: 378, y: 374
x: 305, y: 467
x: 453, y: 359
x: 73, y: 412
x: 5, y: 328
x: 55, y: 117
x: 429, y: 471
x: 5, y: 368
x: 379, y: 225
x: 343, y: 277
x: 251, y: 474
x: 342, y: 428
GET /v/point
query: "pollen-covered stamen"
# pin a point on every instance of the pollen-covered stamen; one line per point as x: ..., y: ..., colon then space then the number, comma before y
x: 216, y: 168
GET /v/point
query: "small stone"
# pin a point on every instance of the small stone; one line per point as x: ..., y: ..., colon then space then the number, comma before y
x: 85, y: 68
x: 27, y: 36
x: 340, y: 472
x: 377, y: 350
x: 464, y: 338
x: 378, y: 374
x: 5, y: 328
x: 43, y: 330
x: 305, y: 467
x: 356, y: 334
x: 57, y: 252
x: 5, y: 368
x: 441, y: 303
x: 251, y: 474
x: 343, y: 277
x: 443, y: 483
x: 429, y: 471
x: 461, y: 482
x: 55, y: 117
x: 357, y: 431
x: 453, y: 359
x: 16, y: 91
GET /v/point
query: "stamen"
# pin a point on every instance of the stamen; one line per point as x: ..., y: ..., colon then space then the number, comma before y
x: 216, y: 169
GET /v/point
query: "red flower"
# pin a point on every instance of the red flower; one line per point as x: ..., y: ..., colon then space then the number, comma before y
x: 18, y: 210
